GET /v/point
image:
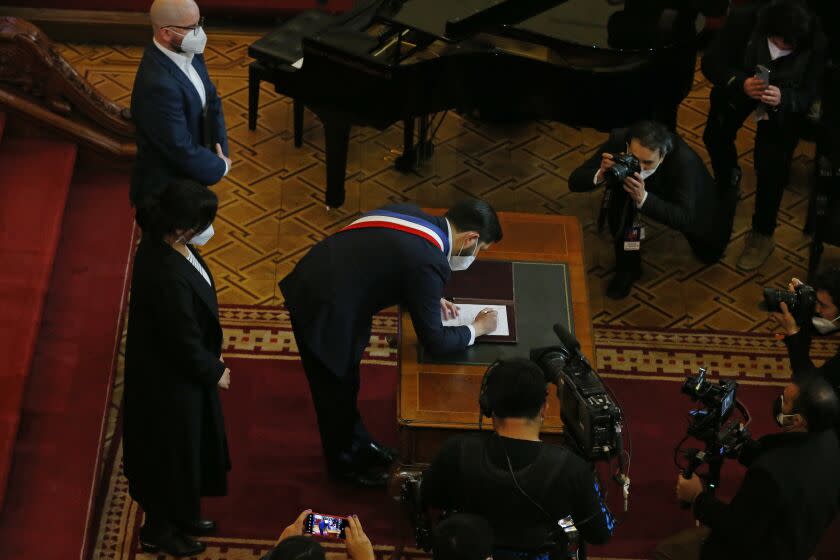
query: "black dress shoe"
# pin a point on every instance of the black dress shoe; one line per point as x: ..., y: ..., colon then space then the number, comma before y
x: 197, y: 527
x: 368, y: 478
x: 621, y: 284
x: 173, y: 543
x: 374, y: 454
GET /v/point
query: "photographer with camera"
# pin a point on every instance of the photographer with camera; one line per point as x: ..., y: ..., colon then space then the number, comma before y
x: 766, y: 61
x: 522, y: 486
x: 790, y: 493
x: 820, y: 317
x: 650, y: 171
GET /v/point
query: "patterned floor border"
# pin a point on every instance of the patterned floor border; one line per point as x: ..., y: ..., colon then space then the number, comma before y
x: 264, y: 332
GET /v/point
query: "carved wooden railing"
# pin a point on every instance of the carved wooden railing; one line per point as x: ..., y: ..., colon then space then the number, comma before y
x: 38, y: 83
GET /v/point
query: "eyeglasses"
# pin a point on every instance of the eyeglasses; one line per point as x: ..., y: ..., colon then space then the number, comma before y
x: 193, y: 28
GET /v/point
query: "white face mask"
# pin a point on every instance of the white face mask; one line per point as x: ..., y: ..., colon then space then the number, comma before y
x: 194, y: 42
x: 203, y: 237
x: 776, y: 52
x: 457, y: 262
x: 823, y: 325
x: 645, y: 173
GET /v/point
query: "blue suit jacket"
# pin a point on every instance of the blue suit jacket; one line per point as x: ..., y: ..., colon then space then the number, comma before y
x: 175, y: 138
x: 337, y: 287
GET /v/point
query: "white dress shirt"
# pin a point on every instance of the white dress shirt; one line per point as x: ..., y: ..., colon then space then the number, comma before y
x: 184, y: 62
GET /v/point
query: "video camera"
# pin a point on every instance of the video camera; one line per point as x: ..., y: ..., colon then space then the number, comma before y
x: 591, y: 417
x: 723, y: 437
x: 801, y: 303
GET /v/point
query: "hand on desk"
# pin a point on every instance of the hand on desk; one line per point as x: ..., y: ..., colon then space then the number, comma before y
x: 485, y: 322
x: 448, y: 309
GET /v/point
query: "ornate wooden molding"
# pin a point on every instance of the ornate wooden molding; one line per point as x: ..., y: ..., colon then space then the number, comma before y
x: 35, y: 80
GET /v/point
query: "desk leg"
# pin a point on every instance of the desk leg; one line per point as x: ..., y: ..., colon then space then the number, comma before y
x: 253, y: 96
x: 337, y: 136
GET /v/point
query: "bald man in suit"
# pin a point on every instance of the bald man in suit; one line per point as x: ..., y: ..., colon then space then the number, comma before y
x: 176, y: 108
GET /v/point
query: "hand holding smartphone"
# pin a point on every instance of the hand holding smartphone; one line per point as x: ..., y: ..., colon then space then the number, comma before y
x: 327, y: 526
x: 762, y: 73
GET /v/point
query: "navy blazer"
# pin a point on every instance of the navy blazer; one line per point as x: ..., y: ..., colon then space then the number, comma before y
x: 343, y: 281
x: 175, y: 138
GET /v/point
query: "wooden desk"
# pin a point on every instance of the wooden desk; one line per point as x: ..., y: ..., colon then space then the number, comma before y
x: 435, y: 401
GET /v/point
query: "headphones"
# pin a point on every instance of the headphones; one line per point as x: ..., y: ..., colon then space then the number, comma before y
x: 483, y: 399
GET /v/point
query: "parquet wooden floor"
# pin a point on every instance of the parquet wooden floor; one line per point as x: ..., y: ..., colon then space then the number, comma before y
x: 272, y: 205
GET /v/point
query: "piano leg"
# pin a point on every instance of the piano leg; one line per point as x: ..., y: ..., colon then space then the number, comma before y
x: 337, y: 136
x: 408, y: 160
x: 297, y: 109
x: 254, y: 76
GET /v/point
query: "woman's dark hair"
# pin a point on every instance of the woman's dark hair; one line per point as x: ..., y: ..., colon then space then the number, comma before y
x: 183, y: 205
x: 652, y: 135
x: 515, y: 389
x: 296, y: 548
x: 476, y: 215
x: 829, y: 280
x: 817, y: 402
x: 789, y: 19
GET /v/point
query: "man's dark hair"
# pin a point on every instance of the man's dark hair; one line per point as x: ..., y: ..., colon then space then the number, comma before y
x: 296, y: 548
x: 462, y: 536
x: 474, y: 214
x: 183, y: 205
x: 829, y: 280
x: 789, y: 19
x: 652, y: 135
x: 516, y: 389
x: 817, y: 402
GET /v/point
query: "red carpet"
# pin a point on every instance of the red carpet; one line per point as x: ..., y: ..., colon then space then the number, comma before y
x: 278, y: 469
x: 51, y: 489
x: 32, y: 197
x: 277, y: 465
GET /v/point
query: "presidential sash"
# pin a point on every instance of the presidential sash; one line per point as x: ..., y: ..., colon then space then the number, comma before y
x: 405, y: 223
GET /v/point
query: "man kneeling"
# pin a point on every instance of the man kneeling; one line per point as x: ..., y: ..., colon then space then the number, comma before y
x: 652, y: 173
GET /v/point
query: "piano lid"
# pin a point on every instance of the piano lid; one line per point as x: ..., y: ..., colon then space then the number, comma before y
x: 638, y: 25
x: 454, y: 19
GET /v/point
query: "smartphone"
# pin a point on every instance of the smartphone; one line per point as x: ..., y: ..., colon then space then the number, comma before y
x: 762, y: 73
x: 328, y: 526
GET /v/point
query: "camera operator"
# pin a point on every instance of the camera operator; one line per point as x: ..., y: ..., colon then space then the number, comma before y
x: 522, y: 486
x: 765, y: 61
x: 788, y: 497
x: 826, y: 320
x: 672, y: 186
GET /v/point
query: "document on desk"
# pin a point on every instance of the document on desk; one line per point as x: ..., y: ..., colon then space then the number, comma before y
x: 469, y: 311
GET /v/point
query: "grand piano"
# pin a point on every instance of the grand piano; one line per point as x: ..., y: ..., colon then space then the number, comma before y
x: 586, y: 63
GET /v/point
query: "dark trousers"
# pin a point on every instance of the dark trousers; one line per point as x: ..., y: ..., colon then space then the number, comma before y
x: 775, y: 141
x: 335, y: 396
x: 707, y: 246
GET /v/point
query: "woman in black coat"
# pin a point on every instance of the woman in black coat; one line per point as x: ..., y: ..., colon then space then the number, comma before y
x: 173, y: 434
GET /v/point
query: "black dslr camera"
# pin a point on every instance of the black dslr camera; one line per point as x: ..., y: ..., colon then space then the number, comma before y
x: 801, y: 302
x: 623, y: 166
x: 711, y: 424
x: 591, y: 417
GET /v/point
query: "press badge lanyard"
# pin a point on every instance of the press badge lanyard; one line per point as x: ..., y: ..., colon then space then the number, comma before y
x: 405, y: 223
